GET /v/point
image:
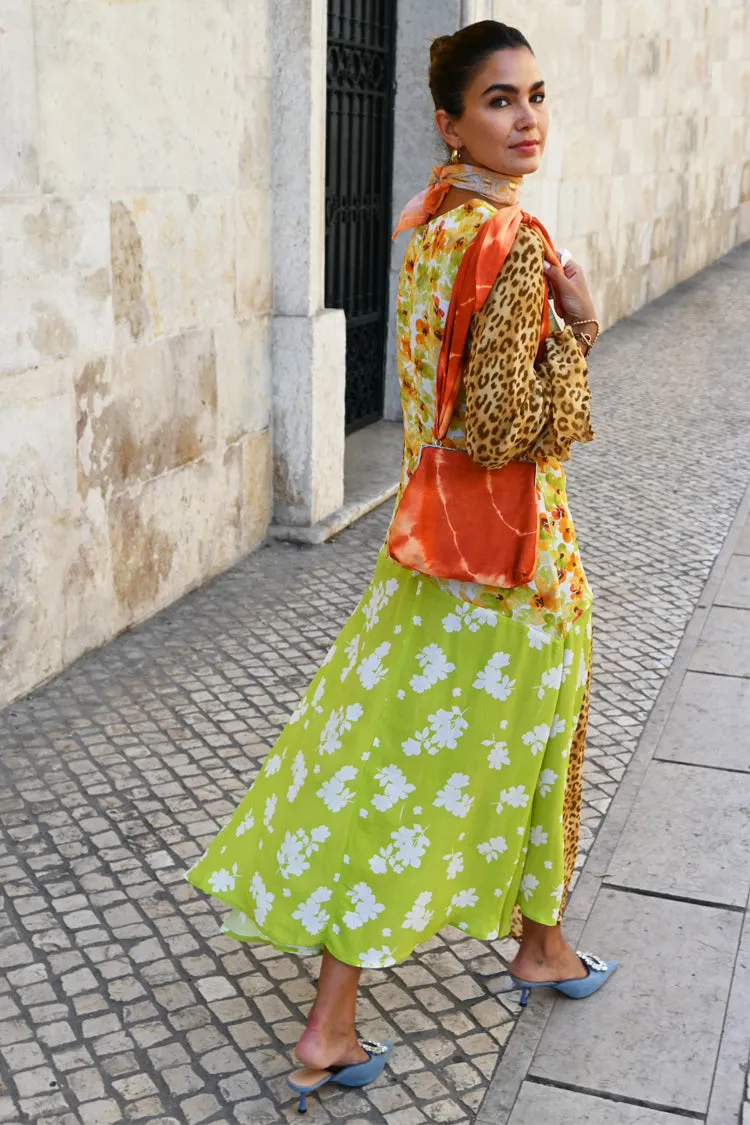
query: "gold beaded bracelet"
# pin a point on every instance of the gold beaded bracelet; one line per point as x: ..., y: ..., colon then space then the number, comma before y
x: 586, y: 337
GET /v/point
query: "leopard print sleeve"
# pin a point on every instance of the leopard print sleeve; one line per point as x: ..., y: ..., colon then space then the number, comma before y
x: 516, y: 408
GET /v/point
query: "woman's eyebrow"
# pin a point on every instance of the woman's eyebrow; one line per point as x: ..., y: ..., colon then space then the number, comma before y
x: 505, y: 88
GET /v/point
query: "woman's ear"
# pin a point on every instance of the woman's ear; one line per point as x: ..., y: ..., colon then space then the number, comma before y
x: 447, y: 129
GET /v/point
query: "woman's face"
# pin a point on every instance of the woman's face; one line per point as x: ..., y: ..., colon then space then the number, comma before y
x: 505, y: 120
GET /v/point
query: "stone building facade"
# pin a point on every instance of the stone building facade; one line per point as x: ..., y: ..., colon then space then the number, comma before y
x: 171, y: 381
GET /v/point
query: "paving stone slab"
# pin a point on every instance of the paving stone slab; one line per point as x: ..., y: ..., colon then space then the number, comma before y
x: 710, y: 723
x: 663, y: 1009
x: 549, y: 1105
x: 743, y: 546
x: 680, y: 811
x: 735, y: 587
x: 724, y: 646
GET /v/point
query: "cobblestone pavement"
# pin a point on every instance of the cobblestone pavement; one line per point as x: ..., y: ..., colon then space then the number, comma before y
x: 119, y: 998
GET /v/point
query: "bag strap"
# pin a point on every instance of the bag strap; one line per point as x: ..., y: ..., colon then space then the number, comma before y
x: 483, y: 259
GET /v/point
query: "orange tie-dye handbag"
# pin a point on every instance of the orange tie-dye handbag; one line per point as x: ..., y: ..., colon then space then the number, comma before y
x: 458, y: 519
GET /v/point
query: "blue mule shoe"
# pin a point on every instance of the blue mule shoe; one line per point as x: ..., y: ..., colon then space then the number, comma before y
x: 305, y: 1081
x: 598, y: 972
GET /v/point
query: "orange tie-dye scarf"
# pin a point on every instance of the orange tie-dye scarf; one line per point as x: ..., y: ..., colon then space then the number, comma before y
x: 482, y: 261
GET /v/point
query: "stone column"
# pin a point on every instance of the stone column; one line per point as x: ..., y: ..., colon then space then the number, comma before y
x: 309, y: 354
x: 417, y: 144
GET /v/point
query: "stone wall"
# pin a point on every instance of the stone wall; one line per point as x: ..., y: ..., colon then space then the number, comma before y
x: 646, y: 179
x: 135, y: 310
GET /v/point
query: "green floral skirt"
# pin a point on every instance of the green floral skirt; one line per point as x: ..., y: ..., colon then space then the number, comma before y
x: 419, y: 783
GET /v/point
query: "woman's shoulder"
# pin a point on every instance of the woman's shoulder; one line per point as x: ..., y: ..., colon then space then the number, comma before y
x: 528, y: 247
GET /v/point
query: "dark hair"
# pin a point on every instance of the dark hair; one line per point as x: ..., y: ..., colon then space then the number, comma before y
x: 454, y: 59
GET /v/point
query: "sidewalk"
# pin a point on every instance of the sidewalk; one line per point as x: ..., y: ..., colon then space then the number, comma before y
x: 664, y: 892
x: 119, y: 999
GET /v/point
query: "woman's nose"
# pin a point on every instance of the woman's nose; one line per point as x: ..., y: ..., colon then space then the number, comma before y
x: 525, y: 118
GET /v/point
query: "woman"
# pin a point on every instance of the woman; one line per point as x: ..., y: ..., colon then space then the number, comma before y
x: 431, y: 773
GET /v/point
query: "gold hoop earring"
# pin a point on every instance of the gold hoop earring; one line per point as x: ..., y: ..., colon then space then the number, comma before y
x: 456, y: 156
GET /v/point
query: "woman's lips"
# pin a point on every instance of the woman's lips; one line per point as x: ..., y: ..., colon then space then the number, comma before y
x: 526, y: 146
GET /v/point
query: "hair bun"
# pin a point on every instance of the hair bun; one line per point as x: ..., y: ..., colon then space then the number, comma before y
x: 438, y: 44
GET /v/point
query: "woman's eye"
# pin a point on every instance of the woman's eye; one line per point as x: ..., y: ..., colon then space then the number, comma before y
x: 498, y: 103
x: 539, y: 98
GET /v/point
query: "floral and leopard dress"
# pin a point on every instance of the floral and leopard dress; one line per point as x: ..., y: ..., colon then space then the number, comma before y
x: 431, y: 772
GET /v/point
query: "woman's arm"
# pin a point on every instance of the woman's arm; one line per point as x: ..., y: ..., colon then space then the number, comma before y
x: 515, y: 407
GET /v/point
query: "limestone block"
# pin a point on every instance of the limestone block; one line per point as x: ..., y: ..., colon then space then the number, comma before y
x: 173, y: 264
x: 138, y: 95
x: 246, y: 485
x: 18, y: 108
x: 255, y: 163
x: 243, y: 378
x: 254, y: 258
x: 147, y: 412
x: 257, y: 484
x: 54, y: 280
x: 255, y: 27
x: 169, y: 535
x: 37, y: 489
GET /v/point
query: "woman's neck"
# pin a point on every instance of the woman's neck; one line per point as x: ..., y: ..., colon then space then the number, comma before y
x: 457, y: 197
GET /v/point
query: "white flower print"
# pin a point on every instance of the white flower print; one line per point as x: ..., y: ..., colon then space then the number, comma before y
x: 538, y: 637
x: 452, y: 798
x: 536, y: 739
x: 529, y: 884
x: 558, y: 726
x: 270, y: 810
x: 435, y: 667
x: 297, y: 848
x: 417, y: 620
x: 377, y: 958
x: 371, y: 671
x: 310, y: 914
x: 537, y: 836
x: 334, y: 791
x: 222, y: 881
x: 547, y: 779
x: 447, y: 727
x: 583, y: 671
x: 319, y: 693
x: 382, y: 592
x: 366, y: 907
x: 339, y: 722
x: 473, y: 617
x: 263, y: 899
x: 558, y: 892
x: 464, y: 899
x: 455, y: 861
x: 273, y: 764
x: 299, y: 711
x: 443, y: 732
x: 407, y: 849
x: 498, y: 755
x: 493, y: 848
x: 395, y: 788
x: 514, y: 798
x: 553, y: 678
x: 492, y: 679
x: 329, y: 656
x: 245, y: 825
x: 299, y: 773
x: 352, y: 654
x: 418, y: 918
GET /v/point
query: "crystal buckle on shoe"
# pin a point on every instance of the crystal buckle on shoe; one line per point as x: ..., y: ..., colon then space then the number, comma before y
x: 595, y: 964
x: 373, y: 1048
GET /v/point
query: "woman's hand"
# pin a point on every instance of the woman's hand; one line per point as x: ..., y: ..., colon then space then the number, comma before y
x: 570, y: 292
